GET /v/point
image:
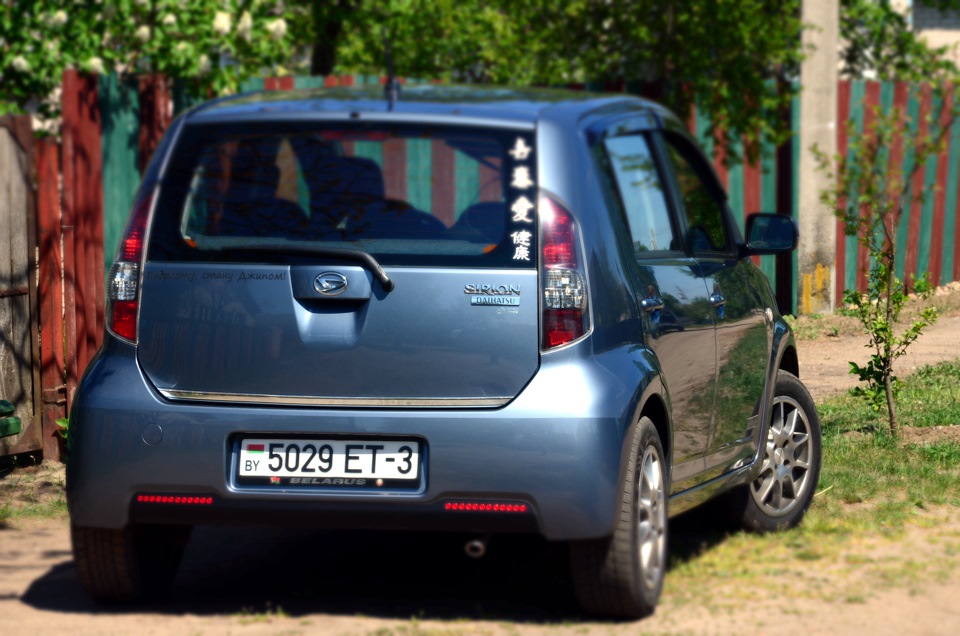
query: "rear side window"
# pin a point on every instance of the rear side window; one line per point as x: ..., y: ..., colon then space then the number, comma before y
x: 703, y: 212
x: 641, y: 193
x: 405, y: 194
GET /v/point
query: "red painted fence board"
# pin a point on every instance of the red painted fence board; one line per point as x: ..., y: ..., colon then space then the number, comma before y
x: 156, y: 111
x: 71, y: 316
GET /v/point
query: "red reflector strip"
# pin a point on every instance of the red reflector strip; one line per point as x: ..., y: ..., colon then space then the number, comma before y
x: 175, y: 500
x: 463, y: 506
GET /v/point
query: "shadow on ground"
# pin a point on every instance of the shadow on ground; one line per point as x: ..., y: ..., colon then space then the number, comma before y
x: 229, y: 571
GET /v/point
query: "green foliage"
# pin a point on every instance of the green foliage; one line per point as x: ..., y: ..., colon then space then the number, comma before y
x: 63, y: 431
x: 879, y: 311
x: 712, y: 54
x: 879, y: 40
x: 212, y: 44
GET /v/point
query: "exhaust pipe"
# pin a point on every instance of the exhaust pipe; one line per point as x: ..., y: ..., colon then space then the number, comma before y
x: 476, y: 548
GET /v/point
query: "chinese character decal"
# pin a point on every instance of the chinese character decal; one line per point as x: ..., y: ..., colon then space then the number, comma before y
x: 521, y: 178
x: 521, y: 210
x: 521, y: 242
x: 520, y: 150
x: 522, y: 207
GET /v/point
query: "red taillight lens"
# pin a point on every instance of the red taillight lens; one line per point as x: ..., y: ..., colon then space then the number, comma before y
x: 559, y: 236
x: 182, y: 500
x: 562, y: 276
x: 123, y: 283
x: 484, y: 506
x: 560, y: 326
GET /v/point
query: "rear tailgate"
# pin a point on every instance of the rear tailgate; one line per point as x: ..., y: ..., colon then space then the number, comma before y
x: 242, y: 301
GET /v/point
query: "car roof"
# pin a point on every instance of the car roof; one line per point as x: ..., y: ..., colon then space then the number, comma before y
x: 426, y: 103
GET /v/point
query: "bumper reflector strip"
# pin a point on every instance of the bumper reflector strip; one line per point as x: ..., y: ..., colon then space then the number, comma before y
x: 175, y: 500
x: 462, y: 506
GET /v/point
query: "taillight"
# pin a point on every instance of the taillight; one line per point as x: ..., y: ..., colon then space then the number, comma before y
x: 562, y: 276
x: 123, y: 283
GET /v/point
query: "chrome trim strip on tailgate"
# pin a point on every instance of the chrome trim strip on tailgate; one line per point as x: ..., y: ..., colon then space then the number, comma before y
x: 297, y: 400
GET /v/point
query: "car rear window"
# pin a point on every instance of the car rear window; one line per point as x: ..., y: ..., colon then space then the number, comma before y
x: 405, y: 194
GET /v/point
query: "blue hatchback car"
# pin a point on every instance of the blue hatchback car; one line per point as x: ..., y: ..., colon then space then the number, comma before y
x: 474, y: 310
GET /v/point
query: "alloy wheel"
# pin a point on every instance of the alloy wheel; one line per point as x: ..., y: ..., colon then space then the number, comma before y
x: 785, y: 473
x: 651, y: 517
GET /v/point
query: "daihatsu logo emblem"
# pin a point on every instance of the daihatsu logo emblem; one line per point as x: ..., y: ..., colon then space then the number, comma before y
x: 330, y: 283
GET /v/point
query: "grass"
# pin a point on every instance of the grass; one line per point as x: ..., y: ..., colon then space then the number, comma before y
x: 885, y: 514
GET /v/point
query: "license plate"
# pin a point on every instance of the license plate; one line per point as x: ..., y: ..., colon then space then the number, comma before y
x: 329, y: 462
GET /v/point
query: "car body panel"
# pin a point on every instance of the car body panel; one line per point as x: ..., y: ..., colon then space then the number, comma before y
x: 164, y: 416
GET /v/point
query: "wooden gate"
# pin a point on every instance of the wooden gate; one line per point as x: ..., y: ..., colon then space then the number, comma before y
x: 19, y: 376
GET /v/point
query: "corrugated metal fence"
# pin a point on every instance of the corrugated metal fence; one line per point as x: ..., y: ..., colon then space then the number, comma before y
x: 929, y: 234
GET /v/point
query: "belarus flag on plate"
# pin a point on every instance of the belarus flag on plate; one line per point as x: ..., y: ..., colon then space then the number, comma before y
x: 255, y: 448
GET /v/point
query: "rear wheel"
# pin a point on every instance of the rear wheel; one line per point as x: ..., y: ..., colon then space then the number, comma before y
x: 782, y: 491
x: 622, y: 576
x: 127, y: 564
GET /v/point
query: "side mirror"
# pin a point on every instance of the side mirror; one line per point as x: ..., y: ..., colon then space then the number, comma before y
x: 770, y: 234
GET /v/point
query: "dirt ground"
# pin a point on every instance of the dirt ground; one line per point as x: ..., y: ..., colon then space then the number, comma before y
x: 272, y: 581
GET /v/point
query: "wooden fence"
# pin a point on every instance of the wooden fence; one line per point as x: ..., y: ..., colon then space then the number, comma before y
x: 19, y: 383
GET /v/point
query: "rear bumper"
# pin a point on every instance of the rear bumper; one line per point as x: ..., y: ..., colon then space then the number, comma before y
x: 556, y: 449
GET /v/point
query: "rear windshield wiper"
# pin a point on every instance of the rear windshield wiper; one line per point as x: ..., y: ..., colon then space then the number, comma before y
x: 346, y: 254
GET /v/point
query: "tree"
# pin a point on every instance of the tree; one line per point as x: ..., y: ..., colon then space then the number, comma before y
x: 211, y: 44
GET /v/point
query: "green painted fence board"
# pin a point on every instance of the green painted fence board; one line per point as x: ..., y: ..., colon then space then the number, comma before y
x: 913, y: 113
x: 929, y: 195
x: 420, y: 174
x: 857, y: 94
x: 119, y: 140
x: 768, y: 200
x: 950, y: 214
x: 372, y: 150
x: 308, y: 81
x: 467, y: 178
x: 735, y: 185
x: 251, y: 84
x: 182, y: 99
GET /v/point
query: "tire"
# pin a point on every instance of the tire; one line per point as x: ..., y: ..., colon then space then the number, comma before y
x: 129, y: 564
x: 622, y: 576
x: 781, y: 492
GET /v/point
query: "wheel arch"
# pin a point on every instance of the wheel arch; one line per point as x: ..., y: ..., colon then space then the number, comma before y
x: 655, y: 408
x: 789, y: 361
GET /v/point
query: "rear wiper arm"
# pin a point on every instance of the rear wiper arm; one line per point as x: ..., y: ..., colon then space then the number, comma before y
x: 346, y: 254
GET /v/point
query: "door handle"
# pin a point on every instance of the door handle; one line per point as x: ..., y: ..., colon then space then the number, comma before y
x: 651, y: 304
